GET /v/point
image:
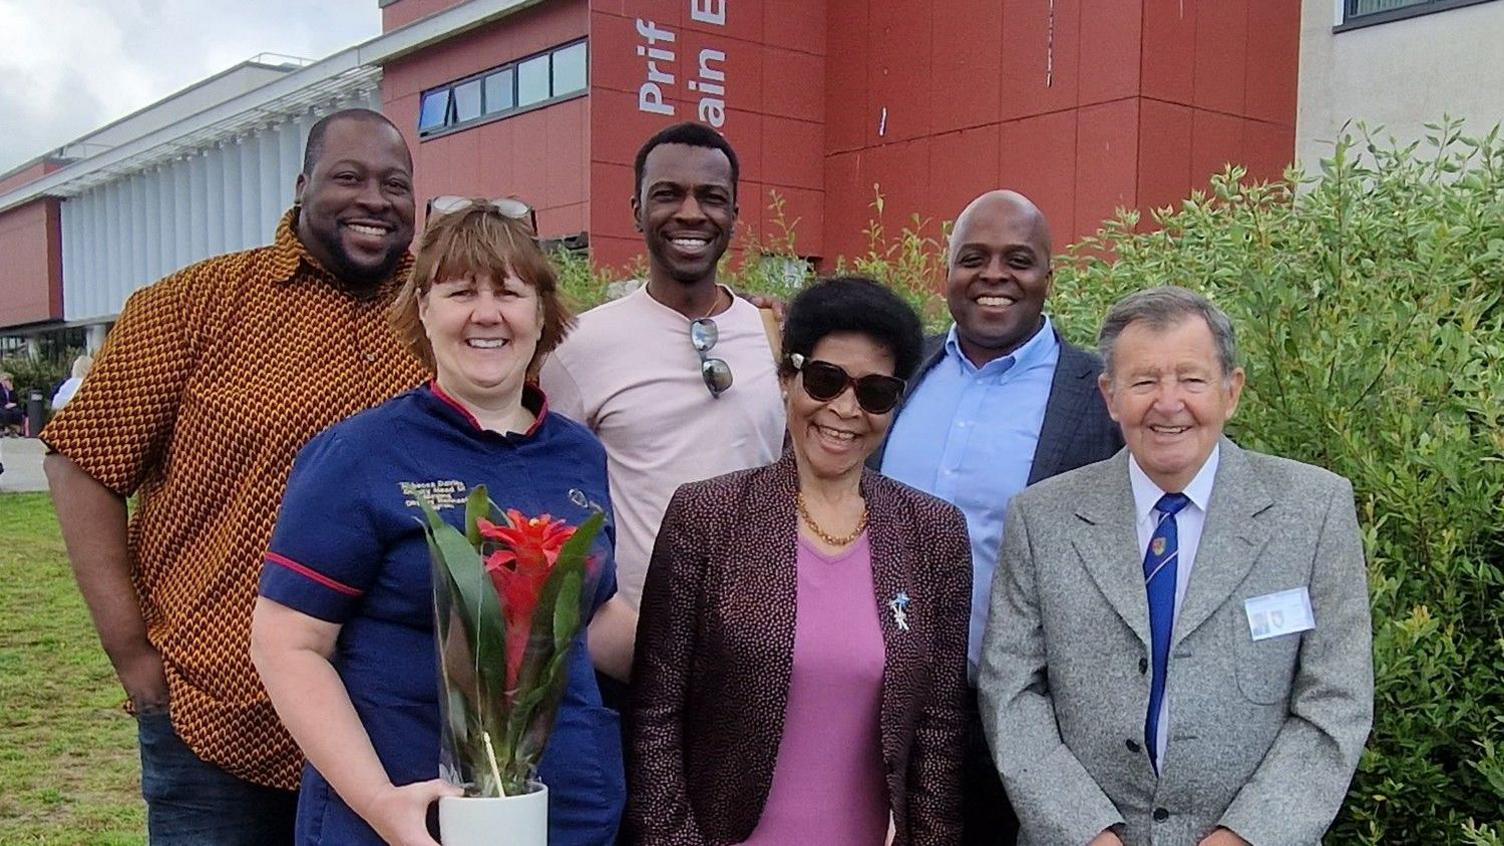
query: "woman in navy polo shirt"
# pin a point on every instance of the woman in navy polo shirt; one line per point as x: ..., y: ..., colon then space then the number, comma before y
x: 343, y: 630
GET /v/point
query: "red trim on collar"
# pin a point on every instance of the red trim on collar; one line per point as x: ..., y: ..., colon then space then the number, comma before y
x: 433, y: 385
x: 529, y: 391
x: 542, y: 410
x: 314, y: 575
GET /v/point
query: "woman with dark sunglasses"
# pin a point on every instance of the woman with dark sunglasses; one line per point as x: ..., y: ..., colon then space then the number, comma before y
x: 800, y: 671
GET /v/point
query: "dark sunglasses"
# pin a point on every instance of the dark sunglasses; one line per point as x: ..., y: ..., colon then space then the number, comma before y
x: 703, y: 333
x: 823, y: 381
x: 505, y: 206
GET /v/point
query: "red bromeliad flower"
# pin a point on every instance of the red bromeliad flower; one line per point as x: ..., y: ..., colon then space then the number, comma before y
x: 526, y: 550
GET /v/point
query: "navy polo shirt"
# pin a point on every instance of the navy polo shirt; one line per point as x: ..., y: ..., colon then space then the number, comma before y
x: 349, y: 548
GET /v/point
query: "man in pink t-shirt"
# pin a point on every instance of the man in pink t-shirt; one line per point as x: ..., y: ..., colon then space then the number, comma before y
x: 678, y: 377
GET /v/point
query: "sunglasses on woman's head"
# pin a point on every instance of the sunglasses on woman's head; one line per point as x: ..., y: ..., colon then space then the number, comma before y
x: 823, y: 381
x: 505, y: 206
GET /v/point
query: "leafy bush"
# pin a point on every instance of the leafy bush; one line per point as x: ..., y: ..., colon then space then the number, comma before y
x: 1368, y: 304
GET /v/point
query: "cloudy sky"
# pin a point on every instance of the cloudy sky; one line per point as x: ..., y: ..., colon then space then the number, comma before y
x: 69, y: 66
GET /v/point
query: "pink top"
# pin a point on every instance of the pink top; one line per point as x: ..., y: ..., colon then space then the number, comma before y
x: 828, y: 786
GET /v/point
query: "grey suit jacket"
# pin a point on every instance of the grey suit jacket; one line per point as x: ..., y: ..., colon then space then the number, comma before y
x: 1076, y: 430
x: 1264, y: 736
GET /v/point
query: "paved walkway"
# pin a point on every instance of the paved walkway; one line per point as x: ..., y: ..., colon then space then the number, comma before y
x: 22, y: 458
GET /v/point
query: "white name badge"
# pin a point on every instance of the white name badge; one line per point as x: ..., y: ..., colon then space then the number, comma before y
x: 1282, y: 613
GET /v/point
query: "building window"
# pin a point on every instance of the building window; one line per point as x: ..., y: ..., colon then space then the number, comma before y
x: 467, y: 101
x: 499, y: 92
x: 515, y: 87
x: 569, y: 69
x: 1361, y: 13
x: 532, y: 81
x: 435, y: 111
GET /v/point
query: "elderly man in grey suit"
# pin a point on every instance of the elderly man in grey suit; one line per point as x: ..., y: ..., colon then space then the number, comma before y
x: 1179, y: 649
x: 1000, y: 402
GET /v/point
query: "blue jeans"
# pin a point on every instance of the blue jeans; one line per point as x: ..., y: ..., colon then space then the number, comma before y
x: 191, y: 802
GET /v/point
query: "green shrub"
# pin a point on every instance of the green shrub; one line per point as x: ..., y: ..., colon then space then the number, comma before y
x: 1368, y: 309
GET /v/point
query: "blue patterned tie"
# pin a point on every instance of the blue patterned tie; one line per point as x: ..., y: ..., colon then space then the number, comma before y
x: 1159, y: 579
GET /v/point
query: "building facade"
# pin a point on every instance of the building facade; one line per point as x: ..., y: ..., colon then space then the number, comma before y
x: 1085, y: 105
x: 1397, y: 64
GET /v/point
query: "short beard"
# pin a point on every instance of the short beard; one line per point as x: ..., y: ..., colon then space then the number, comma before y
x: 359, y: 281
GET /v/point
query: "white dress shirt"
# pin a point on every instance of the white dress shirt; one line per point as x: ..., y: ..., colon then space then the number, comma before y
x: 1188, y: 525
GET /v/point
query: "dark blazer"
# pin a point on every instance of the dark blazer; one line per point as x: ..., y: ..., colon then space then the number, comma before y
x: 715, y: 645
x: 1077, y: 429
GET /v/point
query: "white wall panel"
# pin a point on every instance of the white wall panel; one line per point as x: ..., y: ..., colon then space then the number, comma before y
x: 224, y: 196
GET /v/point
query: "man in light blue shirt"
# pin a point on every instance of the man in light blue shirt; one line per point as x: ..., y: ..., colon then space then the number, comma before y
x: 1000, y: 402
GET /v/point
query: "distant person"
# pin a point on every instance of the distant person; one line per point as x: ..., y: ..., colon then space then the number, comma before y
x: 1221, y: 693
x: 344, y: 630
x: 206, y: 389
x: 70, y: 385
x: 12, y: 413
x: 1000, y: 402
x: 800, y: 673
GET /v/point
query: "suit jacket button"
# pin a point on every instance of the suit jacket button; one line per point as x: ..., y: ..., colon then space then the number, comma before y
x: 1132, y: 745
x: 1160, y: 815
x: 1143, y: 666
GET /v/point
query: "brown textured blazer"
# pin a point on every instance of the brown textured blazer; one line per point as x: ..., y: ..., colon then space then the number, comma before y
x: 715, y: 646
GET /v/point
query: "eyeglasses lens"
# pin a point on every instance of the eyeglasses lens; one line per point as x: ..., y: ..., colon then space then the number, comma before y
x: 703, y: 334
x: 717, y: 375
x: 878, y: 394
x: 823, y: 381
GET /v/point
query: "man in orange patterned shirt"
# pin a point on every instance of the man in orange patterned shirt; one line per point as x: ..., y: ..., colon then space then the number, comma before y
x: 207, y: 387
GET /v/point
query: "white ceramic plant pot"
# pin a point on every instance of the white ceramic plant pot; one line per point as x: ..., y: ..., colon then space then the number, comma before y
x: 512, y: 821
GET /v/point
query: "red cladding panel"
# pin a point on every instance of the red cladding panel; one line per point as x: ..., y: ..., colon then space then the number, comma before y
x: 792, y: 81
x: 801, y: 213
x: 724, y: 18
x: 1111, y: 31
x: 1268, y: 149
x: 846, y: 205
x: 967, y: 64
x: 1221, y: 55
x: 745, y: 132
x: 611, y: 202
x: 404, y: 12
x: 1273, y: 60
x: 615, y: 253
x: 618, y: 127
x: 1164, y: 153
x: 1168, y: 57
x: 742, y: 65
x: 796, y: 24
x: 567, y: 157
x: 1037, y: 157
x: 30, y: 174
x: 614, y: 63
x: 1041, y: 56
x: 794, y: 151
x: 898, y: 71
x: 564, y: 219
x: 962, y: 166
x: 847, y: 102
x: 31, y: 282
x: 1106, y: 162
x: 901, y: 172
x: 1216, y: 141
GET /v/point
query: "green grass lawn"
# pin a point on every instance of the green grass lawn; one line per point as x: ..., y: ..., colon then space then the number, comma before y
x: 69, y: 771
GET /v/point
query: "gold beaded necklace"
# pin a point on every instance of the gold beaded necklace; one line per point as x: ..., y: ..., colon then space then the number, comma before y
x: 832, y: 540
